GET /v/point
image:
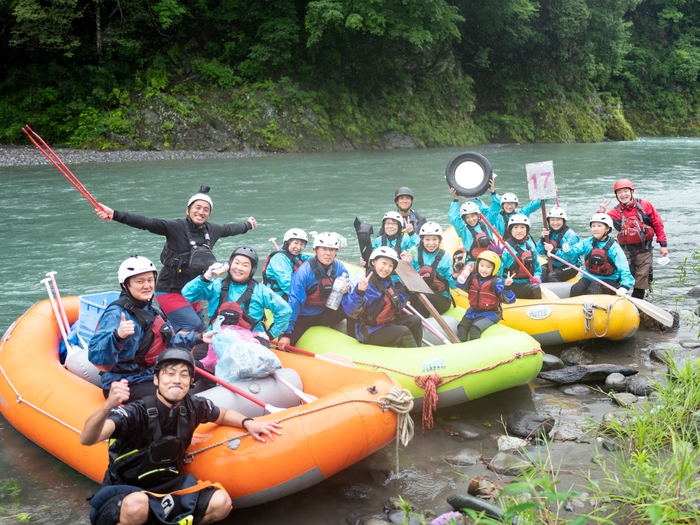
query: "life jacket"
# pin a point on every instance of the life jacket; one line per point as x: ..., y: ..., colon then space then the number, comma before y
x: 480, y: 242
x: 432, y: 278
x: 399, y: 241
x: 196, y: 261
x: 153, y: 464
x: 319, y: 292
x: 156, y: 337
x: 526, y: 257
x: 506, y: 218
x: 385, y: 309
x: 556, y: 237
x: 599, y: 262
x: 272, y: 283
x: 637, y: 229
x: 236, y: 312
x: 482, y: 296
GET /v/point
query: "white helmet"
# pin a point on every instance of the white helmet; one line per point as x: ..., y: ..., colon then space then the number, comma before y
x: 519, y: 218
x: 509, y: 197
x: 430, y: 228
x: 295, y: 233
x: 135, y: 265
x: 602, y: 217
x: 326, y: 240
x: 467, y: 208
x: 556, y: 213
x: 385, y: 251
x: 394, y: 216
x: 202, y: 196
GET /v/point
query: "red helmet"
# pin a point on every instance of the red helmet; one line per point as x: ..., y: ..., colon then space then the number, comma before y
x: 623, y: 183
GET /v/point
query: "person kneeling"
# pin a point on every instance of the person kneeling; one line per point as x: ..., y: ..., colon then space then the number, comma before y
x: 376, y: 303
x: 148, y: 441
x: 486, y: 293
x: 604, y: 259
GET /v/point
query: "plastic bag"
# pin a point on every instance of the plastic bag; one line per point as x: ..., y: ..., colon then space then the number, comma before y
x: 241, y: 360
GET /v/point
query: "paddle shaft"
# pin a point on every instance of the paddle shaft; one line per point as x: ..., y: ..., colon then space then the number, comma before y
x: 506, y: 245
x: 308, y: 398
x: 436, y: 315
x: 409, y: 309
x: 271, y: 409
x: 546, y: 237
x: 330, y: 357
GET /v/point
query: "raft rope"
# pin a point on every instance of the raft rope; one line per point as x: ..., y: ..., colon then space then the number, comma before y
x: 431, y: 382
x: 397, y: 400
x: 589, y: 317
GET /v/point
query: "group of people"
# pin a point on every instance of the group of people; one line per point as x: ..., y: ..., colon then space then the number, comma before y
x: 128, y: 343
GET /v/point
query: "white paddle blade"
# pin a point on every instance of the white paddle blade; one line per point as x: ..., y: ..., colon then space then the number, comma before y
x: 651, y: 310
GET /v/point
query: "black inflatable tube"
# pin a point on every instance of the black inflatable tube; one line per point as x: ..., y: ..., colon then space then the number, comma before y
x: 457, y: 160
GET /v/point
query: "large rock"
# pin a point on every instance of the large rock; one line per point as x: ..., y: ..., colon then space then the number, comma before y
x: 640, y: 385
x: 694, y: 291
x: 616, y: 382
x: 576, y: 356
x: 462, y: 458
x: 584, y: 373
x: 528, y: 424
x: 466, y: 501
x: 551, y: 362
x: 508, y: 443
x: 509, y: 465
x: 461, y: 429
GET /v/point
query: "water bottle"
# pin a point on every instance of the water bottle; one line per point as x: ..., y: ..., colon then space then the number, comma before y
x: 336, y: 295
x: 462, y: 277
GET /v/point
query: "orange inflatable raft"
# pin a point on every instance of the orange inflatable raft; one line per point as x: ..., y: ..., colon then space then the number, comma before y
x: 349, y: 421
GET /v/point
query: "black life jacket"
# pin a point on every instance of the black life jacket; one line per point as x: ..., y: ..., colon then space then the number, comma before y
x: 637, y: 229
x: 482, y: 296
x: 153, y: 464
x: 236, y: 312
x: 156, y: 333
x: 506, y: 218
x: 432, y: 278
x: 384, y: 310
x: 480, y: 242
x: 196, y: 261
x: 272, y: 283
x: 525, y: 256
x: 556, y: 237
x: 319, y: 292
x: 399, y: 241
x: 598, y: 262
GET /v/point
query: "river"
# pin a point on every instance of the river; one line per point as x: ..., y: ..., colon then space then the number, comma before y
x: 47, y: 225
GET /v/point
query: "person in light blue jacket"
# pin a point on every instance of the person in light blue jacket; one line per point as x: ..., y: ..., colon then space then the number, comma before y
x: 559, y: 234
x: 603, y: 258
x: 394, y: 235
x: 524, y: 286
x: 239, y: 286
x: 434, y: 265
x: 280, y: 265
x: 475, y: 236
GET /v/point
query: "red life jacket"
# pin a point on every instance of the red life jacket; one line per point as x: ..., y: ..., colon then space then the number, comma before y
x: 599, y: 262
x: 434, y: 280
x: 525, y: 256
x: 556, y: 242
x: 155, y: 340
x: 480, y: 242
x: 483, y: 296
x: 272, y: 283
x: 385, y: 309
x: 236, y: 312
x: 636, y: 229
x: 319, y: 292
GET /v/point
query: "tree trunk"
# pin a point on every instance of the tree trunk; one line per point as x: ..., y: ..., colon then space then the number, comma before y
x: 98, y: 31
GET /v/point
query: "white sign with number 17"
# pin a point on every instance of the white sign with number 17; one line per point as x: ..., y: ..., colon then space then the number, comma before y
x: 540, y: 180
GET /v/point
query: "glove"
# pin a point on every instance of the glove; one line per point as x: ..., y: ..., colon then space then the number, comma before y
x: 622, y: 292
x: 215, y: 270
x: 566, y: 247
x: 535, y: 280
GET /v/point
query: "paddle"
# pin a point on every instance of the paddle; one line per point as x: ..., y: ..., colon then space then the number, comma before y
x: 651, y: 310
x: 364, y: 239
x: 409, y: 309
x: 327, y: 356
x: 546, y: 237
x: 415, y: 283
x: 271, y: 409
x: 547, y: 294
x: 308, y: 398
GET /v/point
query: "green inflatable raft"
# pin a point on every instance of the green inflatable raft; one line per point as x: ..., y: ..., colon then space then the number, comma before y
x: 501, y: 359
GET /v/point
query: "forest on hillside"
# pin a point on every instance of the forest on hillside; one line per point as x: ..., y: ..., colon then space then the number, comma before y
x: 514, y: 70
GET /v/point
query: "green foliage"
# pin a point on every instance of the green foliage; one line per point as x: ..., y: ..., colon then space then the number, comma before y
x: 10, y: 489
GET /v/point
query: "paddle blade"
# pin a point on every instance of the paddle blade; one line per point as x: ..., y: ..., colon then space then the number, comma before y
x: 547, y: 293
x: 652, y: 310
x: 410, y: 278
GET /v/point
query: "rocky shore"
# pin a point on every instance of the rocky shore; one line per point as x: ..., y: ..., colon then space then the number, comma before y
x: 30, y: 156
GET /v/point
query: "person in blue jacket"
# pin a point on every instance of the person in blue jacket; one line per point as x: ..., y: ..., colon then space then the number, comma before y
x: 503, y: 208
x: 486, y: 292
x: 603, y: 258
x: 238, y: 286
x: 311, y: 286
x: 125, y: 334
x: 524, y: 248
x: 376, y: 303
x: 281, y: 264
x: 394, y: 236
x: 434, y: 265
x: 558, y: 234
x: 475, y: 236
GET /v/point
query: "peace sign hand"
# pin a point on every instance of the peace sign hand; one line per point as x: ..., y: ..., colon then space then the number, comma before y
x: 362, y: 283
x: 509, y: 279
x: 603, y: 206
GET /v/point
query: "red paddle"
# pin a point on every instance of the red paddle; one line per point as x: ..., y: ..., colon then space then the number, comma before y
x: 271, y: 409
